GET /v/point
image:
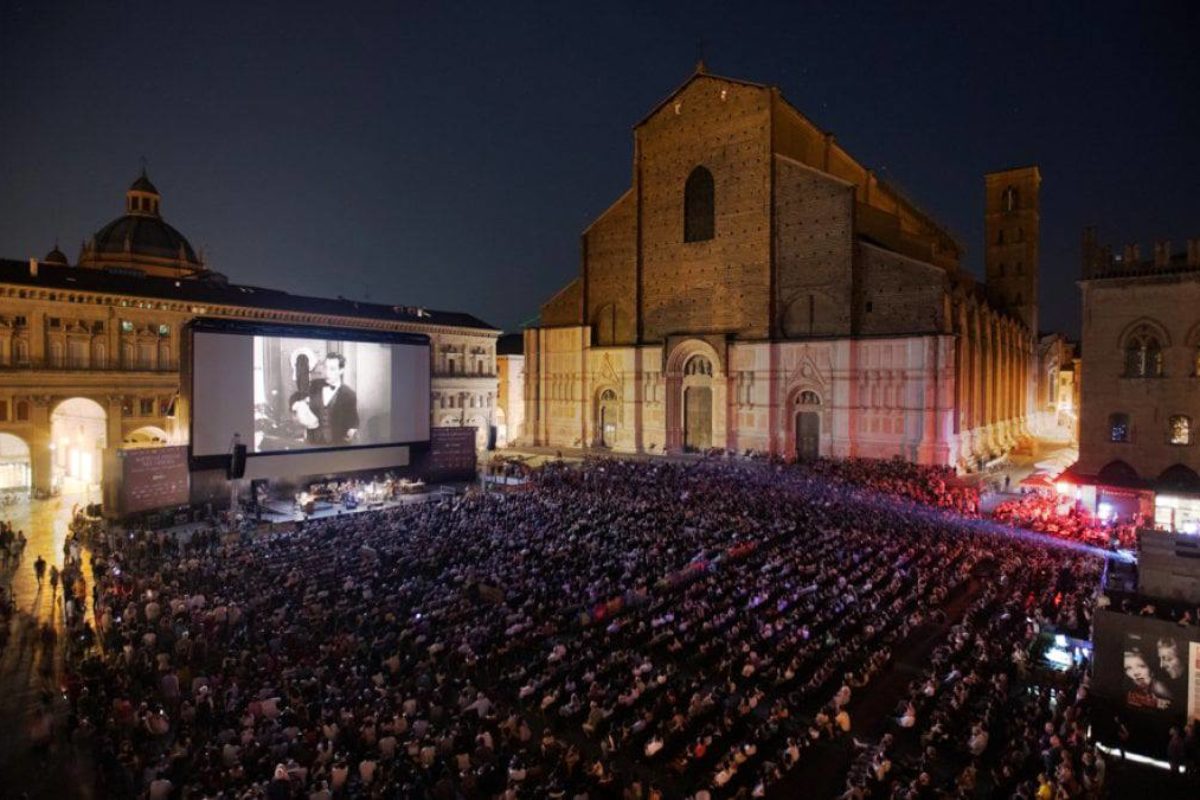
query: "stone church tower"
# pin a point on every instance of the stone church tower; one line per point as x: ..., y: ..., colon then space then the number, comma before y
x: 1011, y: 236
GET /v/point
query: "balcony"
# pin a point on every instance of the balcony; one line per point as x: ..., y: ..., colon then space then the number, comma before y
x: 45, y: 365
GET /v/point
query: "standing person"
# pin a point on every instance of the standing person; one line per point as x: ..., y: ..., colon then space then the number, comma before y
x: 53, y: 580
x: 39, y: 568
x: 1175, y: 751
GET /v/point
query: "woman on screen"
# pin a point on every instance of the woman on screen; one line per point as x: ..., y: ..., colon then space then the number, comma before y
x: 1143, y: 689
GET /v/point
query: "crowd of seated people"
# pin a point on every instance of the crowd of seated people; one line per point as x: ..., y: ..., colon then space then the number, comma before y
x: 1052, y: 515
x: 928, y: 485
x: 619, y: 629
x: 966, y: 724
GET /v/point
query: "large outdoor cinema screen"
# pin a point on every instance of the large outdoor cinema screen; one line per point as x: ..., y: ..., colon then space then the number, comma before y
x: 284, y: 389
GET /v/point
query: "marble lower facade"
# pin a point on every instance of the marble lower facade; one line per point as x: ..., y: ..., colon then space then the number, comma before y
x: 913, y: 397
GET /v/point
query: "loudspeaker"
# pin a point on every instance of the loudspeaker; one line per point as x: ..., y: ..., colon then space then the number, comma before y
x: 237, y: 462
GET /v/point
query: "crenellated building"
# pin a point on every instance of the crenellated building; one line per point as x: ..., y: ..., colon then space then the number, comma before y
x: 1141, y: 382
x: 758, y: 289
x: 89, y: 354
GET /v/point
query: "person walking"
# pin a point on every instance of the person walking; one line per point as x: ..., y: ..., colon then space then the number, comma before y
x: 39, y: 569
x: 53, y: 580
x: 1175, y: 751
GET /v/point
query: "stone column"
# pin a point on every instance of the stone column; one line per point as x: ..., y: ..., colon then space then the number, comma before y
x: 41, y: 457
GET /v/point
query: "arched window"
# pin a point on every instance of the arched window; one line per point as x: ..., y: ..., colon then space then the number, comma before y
x: 607, y: 395
x: 1179, y: 429
x: 698, y: 365
x: 1143, y: 354
x: 1118, y: 427
x: 808, y: 398
x: 698, y: 206
x: 1011, y: 199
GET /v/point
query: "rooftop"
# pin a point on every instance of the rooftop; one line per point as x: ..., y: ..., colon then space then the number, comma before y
x: 216, y: 291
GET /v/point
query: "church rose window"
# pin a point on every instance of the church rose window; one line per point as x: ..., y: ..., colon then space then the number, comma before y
x: 698, y: 206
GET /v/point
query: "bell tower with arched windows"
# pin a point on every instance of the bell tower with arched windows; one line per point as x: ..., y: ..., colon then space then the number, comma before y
x: 1011, y: 251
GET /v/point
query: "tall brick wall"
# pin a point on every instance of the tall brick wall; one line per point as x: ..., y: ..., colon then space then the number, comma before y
x: 610, y: 269
x: 814, y: 228
x: 904, y: 296
x: 566, y: 307
x: 720, y: 285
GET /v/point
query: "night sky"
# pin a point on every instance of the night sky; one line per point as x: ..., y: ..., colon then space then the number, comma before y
x: 450, y: 155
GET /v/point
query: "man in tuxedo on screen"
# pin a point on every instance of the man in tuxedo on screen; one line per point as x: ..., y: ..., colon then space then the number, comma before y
x: 330, y: 410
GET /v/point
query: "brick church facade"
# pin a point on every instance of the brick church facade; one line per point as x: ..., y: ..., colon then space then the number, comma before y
x: 757, y: 289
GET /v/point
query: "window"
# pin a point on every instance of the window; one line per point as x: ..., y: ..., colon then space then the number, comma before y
x: 126, y: 326
x: 1011, y: 199
x: 870, y: 306
x: 1143, y: 354
x: 21, y: 351
x: 22, y: 411
x: 19, y: 321
x: 54, y: 322
x: 164, y: 330
x: 1180, y: 429
x: 98, y: 326
x: 808, y: 398
x: 698, y: 206
x: 1118, y: 427
x: 3, y: 411
x: 146, y: 406
x: 1000, y: 237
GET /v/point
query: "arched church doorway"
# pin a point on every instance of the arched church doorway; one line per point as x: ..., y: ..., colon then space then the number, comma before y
x: 697, y: 404
x: 15, y: 471
x: 608, y: 418
x: 78, y: 436
x: 808, y: 426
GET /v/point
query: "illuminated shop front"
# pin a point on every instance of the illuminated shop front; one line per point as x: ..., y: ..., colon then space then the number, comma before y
x: 1178, y: 513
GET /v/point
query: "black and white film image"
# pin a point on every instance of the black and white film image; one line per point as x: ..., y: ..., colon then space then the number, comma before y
x: 1155, y: 676
x: 311, y: 393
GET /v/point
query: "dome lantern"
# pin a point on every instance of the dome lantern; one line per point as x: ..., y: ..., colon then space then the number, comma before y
x: 142, y: 198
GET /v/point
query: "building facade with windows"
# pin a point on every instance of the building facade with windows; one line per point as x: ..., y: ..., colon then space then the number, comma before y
x: 758, y: 289
x: 1140, y: 378
x: 89, y: 353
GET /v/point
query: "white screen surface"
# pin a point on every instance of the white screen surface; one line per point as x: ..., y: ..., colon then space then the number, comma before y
x: 288, y: 393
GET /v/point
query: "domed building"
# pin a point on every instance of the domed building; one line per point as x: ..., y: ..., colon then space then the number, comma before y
x: 141, y: 242
x: 92, y: 356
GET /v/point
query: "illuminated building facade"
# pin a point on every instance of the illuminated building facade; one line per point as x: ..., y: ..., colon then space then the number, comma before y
x: 758, y: 289
x: 89, y: 354
x: 1141, y: 382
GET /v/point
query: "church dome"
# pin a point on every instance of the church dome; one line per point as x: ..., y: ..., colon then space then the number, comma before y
x: 141, y: 241
x: 143, y: 236
x: 57, y: 256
